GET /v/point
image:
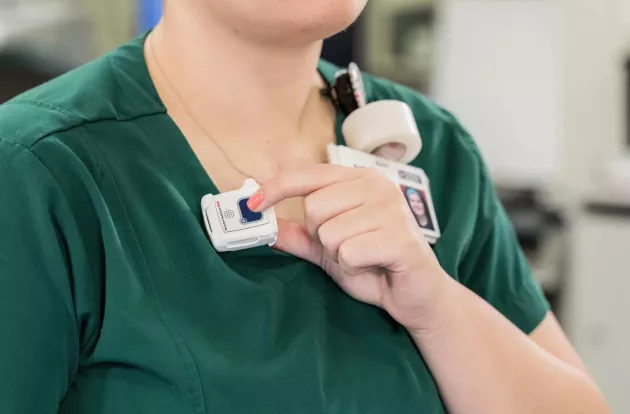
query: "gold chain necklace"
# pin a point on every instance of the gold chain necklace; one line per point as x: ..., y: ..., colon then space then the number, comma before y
x: 189, y: 112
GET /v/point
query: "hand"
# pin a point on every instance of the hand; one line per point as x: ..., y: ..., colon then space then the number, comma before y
x: 360, y: 230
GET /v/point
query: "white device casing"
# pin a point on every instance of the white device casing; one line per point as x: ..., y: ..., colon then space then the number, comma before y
x: 380, y: 123
x: 228, y: 228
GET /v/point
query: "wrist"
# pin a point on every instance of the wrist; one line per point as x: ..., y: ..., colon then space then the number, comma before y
x: 438, y: 308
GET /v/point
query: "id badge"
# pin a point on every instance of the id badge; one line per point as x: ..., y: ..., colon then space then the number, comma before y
x: 413, y: 183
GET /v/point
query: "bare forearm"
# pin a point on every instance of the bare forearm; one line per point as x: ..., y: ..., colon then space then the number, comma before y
x: 484, y: 364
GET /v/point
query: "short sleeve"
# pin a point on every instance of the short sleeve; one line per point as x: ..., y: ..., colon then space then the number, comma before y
x: 39, y: 334
x: 496, y: 268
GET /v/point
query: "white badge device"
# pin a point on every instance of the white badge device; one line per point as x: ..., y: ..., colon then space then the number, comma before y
x: 232, y: 226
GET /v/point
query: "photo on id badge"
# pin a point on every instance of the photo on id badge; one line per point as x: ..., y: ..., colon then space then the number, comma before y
x: 420, y: 207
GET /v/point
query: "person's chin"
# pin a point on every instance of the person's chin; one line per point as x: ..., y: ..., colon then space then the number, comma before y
x: 311, y: 31
x: 333, y: 16
x: 335, y: 24
x: 321, y: 24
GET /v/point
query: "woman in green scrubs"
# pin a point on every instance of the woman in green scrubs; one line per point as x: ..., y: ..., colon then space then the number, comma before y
x: 113, y: 301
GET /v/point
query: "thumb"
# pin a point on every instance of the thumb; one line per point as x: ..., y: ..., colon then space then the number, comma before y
x: 294, y: 239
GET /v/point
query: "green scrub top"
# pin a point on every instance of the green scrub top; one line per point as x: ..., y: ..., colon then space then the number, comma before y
x: 113, y: 301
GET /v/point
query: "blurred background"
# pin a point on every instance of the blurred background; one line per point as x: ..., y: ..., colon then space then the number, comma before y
x: 543, y: 86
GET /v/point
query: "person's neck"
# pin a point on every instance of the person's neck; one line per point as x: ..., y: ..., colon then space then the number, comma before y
x: 219, y: 74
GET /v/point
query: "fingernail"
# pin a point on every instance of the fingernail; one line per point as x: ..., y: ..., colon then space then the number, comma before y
x: 254, y: 202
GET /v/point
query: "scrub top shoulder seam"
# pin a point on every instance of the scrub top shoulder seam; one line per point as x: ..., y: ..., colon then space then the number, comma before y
x: 76, y: 124
x: 79, y: 122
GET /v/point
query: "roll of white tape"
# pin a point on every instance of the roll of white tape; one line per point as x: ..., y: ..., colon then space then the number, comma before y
x: 387, y: 124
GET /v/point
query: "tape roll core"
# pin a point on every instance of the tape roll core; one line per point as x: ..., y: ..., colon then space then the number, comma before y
x: 380, y: 124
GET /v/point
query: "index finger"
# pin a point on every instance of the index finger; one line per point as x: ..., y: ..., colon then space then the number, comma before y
x: 300, y: 182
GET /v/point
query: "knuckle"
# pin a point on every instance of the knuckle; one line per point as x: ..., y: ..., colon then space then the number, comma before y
x: 311, y: 227
x: 309, y: 206
x: 347, y: 254
x: 312, y: 209
x: 327, y: 238
x: 343, y: 254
